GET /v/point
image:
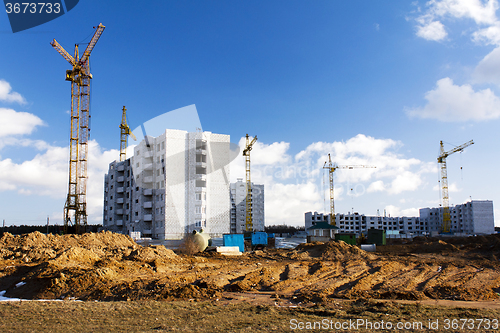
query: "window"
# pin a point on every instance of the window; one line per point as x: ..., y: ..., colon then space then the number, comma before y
x: 163, y: 145
x: 128, y: 206
x: 162, y: 184
x: 110, y: 219
x: 138, y: 152
x: 136, y: 213
x: 111, y: 176
x: 110, y: 208
x: 137, y: 166
x: 158, y: 147
x: 158, y: 173
x: 110, y: 197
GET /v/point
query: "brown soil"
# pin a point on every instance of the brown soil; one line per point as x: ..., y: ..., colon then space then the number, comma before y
x: 106, y: 266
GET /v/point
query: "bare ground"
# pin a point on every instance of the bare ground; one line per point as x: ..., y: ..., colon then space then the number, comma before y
x: 112, y: 267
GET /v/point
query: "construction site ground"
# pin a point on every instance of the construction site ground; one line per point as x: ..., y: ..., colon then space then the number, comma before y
x: 107, y: 282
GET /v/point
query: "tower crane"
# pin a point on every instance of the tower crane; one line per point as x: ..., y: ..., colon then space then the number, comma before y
x: 246, y: 153
x: 124, y: 133
x: 445, y: 227
x: 79, y: 76
x: 331, y: 167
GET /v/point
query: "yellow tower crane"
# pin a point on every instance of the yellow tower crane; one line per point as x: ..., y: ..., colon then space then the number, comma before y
x: 79, y: 76
x: 124, y: 133
x: 246, y: 153
x: 331, y: 167
x: 446, y: 226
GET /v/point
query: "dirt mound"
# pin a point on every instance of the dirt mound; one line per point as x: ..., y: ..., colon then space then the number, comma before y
x: 151, y: 253
x: 36, y: 246
x: 334, y: 250
x: 436, y: 247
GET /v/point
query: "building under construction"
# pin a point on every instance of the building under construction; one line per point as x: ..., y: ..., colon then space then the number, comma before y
x: 174, y: 184
x: 473, y: 217
x: 238, y: 207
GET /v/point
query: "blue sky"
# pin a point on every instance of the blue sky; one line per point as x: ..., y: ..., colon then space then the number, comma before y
x: 374, y: 83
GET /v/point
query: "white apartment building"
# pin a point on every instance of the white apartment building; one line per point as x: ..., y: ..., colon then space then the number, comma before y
x: 312, y: 218
x: 238, y: 206
x: 175, y: 183
x: 473, y: 217
x: 360, y: 223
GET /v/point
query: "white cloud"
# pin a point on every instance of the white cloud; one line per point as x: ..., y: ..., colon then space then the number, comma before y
x: 295, y: 185
x: 405, y: 181
x: 483, y: 13
x: 17, y: 123
x: 452, y: 188
x: 453, y: 103
x: 398, y: 212
x: 47, y: 175
x: 432, y: 31
x: 377, y: 186
x: 287, y: 203
x: 7, y: 95
x: 489, y: 35
x: 488, y: 69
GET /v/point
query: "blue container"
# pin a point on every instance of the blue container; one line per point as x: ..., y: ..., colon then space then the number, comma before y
x: 235, y: 240
x: 259, y: 238
x: 270, y: 235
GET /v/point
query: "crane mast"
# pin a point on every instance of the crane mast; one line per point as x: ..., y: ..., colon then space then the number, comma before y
x: 331, y: 167
x: 446, y: 226
x: 79, y: 76
x: 246, y: 153
x: 124, y: 133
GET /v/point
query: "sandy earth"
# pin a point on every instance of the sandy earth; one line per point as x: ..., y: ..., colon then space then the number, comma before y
x: 106, y: 266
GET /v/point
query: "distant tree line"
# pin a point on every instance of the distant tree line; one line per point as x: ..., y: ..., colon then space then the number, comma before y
x: 52, y: 229
x: 283, y: 229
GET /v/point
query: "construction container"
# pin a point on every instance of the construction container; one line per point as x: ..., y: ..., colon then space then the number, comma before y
x: 348, y: 238
x: 259, y: 238
x: 235, y: 240
x: 376, y: 236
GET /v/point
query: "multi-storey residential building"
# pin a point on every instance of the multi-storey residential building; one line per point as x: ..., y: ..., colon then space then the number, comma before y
x: 174, y: 184
x: 238, y: 206
x: 473, y: 217
x: 359, y: 223
x: 312, y: 218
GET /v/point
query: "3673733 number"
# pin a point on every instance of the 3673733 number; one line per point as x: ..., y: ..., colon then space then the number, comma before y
x: 33, y: 7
